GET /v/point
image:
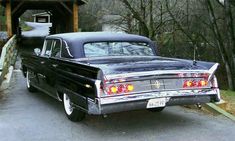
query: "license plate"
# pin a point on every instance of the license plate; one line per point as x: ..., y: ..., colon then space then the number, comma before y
x: 157, y: 102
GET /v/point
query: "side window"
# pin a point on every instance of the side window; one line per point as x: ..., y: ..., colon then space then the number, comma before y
x: 65, y: 51
x: 56, y: 46
x: 47, y: 51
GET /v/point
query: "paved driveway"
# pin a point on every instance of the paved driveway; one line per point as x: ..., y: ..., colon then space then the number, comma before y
x: 28, y: 116
x: 39, y: 29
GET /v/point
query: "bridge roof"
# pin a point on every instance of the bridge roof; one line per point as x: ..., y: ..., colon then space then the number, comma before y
x: 80, y: 2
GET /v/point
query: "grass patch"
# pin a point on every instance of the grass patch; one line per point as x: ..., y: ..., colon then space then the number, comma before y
x: 25, y: 27
x: 228, y: 93
x: 229, y: 96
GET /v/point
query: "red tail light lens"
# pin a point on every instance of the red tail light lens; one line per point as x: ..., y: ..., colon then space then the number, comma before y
x: 120, y: 88
x: 130, y: 87
x: 195, y: 83
x: 188, y: 83
x: 113, y: 89
x: 202, y: 83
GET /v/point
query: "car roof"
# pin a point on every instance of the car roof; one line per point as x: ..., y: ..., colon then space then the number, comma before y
x: 83, y: 37
x: 76, y: 40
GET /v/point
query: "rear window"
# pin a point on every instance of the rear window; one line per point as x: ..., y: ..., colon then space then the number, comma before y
x: 102, y: 49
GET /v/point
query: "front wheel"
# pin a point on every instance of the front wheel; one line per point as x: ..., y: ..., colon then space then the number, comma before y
x: 72, y: 113
x: 28, y: 83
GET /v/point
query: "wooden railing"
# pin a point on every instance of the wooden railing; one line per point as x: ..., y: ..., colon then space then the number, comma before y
x: 8, y: 57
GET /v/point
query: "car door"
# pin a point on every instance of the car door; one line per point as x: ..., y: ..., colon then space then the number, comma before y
x: 53, y: 55
x: 45, y: 65
x: 51, y: 67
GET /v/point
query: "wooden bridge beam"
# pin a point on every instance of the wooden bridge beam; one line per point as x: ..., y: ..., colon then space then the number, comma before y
x: 75, y: 17
x: 9, y: 19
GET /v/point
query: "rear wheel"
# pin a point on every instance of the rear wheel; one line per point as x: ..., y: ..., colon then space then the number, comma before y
x: 159, y: 109
x: 28, y: 83
x: 72, y: 113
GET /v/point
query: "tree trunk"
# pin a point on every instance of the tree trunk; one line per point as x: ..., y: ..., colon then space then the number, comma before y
x: 230, y: 40
x: 151, y: 24
x: 229, y: 76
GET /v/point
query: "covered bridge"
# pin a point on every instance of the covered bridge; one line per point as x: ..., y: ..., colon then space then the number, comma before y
x: 64, y: 13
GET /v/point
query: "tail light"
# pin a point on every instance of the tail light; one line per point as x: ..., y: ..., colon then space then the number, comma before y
x: 188, y: 83
x: 194, y: 80
x: 113, y: 89
x: 202, y: 83
x: 119, y: 89
x: 130, y: 87
x: 195, y: 83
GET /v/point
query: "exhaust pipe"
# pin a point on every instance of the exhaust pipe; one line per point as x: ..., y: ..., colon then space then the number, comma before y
x: 199, y: 106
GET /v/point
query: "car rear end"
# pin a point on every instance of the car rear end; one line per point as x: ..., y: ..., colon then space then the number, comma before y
x: 154, y: 89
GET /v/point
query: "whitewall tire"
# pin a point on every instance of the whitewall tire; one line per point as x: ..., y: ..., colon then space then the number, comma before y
x: 28, y: 83
x: 71, y: 112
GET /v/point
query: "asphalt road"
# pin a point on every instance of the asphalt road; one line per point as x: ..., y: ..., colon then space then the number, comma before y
x: 34, y: 38
x: 39, y: 29
x: 28, y: 116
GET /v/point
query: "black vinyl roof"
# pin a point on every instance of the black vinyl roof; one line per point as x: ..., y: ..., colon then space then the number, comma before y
x: 83, y: 37
x: 76, y: 40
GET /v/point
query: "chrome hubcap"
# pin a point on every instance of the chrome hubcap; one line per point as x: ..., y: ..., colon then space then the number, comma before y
x: 67, y: 105
x: 27, y: 79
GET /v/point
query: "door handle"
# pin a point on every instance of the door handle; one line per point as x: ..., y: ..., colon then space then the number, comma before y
x: 54, y: 65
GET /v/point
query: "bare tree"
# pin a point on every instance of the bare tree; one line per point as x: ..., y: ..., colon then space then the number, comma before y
x: 148, y: 14
x: 218, y: 30
x: 179, y: 26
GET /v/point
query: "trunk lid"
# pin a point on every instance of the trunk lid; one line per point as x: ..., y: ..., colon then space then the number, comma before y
x: 120, y: 65
x: 148, y: 74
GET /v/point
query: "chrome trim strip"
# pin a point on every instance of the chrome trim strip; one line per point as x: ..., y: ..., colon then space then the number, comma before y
x: 67, y: 48
x: 98, y: 90
x: 39, y: 74
x: 216, y: 86
x: 157, y: 72
x: 212, y: 70
x: 147, y: 96
x: 154, y: 91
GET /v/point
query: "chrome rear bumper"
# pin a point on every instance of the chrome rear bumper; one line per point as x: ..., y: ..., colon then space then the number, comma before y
x: 114, y: 104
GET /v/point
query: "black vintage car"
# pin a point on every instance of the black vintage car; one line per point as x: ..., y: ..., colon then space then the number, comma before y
x: 101, y: 73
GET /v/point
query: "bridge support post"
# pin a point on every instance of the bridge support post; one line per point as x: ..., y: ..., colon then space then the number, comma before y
x: 9, y: 19
x: 75, y: 17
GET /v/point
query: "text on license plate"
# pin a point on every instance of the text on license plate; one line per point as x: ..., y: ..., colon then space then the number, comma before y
x: 157, y: 102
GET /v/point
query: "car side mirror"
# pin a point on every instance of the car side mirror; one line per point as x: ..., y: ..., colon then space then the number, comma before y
x: 37, y: 51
